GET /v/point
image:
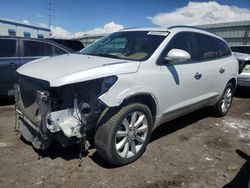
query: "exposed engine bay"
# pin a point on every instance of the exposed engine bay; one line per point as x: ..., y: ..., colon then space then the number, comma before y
x: 66, y: 114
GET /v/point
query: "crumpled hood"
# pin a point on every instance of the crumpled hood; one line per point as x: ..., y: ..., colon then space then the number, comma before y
x: 73, y: 68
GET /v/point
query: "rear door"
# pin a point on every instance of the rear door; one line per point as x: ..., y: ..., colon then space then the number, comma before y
x: 32, y: 50
x: 206, y: 56
x: 9, y: 62
x: 225, y: 65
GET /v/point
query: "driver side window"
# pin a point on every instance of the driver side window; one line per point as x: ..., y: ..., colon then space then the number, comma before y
x: 183, y: 41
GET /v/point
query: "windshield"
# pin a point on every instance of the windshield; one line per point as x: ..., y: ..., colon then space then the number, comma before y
x: 131, y: 45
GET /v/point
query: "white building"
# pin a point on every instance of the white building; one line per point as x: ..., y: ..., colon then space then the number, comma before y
x: 89, y: 39
x: 21, y: 29
x: 235, y: 33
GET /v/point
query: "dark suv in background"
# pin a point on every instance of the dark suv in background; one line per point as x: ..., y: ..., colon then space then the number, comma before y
x: 75, y: 45
x: 16, y: 51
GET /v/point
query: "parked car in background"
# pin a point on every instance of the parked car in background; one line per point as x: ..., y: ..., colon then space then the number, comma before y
x: 242, y: 53
x: 241, y: 49
x: 16, y: 51
x: 120, y: 88
x: 75, y: 45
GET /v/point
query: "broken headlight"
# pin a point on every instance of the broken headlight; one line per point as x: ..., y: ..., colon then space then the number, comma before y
x: 76, y: 107
x: 87, y: 92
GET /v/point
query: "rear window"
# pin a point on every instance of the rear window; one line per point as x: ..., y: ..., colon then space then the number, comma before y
x: 7, y: 48
x: 35, y: 48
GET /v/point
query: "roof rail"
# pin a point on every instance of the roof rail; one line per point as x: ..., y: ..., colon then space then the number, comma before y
x: 193, y: 27
x: 185, y: 26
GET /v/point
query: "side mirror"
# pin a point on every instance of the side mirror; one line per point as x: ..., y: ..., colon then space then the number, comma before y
x: 177, y: 55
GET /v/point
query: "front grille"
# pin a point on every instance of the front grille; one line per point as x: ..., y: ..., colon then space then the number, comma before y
x: 29, y: 87
x: 27, y: 93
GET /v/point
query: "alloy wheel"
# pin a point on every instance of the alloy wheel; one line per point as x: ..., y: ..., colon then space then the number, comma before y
x: 131, y: 134
x: 226, y: 100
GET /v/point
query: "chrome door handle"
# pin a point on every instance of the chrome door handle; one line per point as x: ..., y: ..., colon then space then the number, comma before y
x: 222, y: 70
x: 197, y: 76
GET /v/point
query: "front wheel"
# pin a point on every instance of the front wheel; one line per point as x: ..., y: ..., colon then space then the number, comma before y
x: 223, y: 105
x: 123, y: 136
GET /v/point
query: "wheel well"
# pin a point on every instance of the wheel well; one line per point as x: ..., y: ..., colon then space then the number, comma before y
x: 146, y: 99
x: 233, y: 81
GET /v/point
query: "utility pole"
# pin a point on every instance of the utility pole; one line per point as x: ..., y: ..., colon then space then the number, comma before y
x: 50, y: 9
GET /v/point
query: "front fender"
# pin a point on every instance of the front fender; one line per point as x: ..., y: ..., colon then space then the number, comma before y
x: 124, y: 89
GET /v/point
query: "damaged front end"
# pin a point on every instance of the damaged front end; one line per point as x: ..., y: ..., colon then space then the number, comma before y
x: 66, y: 114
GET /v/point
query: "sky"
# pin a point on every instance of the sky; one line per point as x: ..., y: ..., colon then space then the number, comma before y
x: 77, y: 17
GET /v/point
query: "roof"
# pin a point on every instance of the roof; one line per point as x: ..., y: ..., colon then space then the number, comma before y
x: 145, y: 29
x: 22, y: 24
x: 38, y: 39
x: 177, y: 28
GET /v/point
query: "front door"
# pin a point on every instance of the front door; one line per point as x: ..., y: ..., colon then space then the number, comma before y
x: 186, y: 84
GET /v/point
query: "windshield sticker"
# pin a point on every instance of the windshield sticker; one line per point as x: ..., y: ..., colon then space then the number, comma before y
x: 161, y: 33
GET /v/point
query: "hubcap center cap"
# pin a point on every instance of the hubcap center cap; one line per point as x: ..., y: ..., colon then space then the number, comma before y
x: 131, y: 134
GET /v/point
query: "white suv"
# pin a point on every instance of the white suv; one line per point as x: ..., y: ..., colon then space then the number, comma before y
x: 120, y: 88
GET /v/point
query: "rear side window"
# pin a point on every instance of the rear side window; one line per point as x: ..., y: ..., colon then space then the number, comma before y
x: 220, y: 47
x: 211, y: 47
x: 36, y: 48
x: 7, y: 48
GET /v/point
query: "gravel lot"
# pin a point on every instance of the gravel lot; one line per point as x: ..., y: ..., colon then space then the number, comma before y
x: 197, y: 150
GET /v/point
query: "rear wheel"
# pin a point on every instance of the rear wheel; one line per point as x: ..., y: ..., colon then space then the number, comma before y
x: 124, y: 135
x: 223, y: 105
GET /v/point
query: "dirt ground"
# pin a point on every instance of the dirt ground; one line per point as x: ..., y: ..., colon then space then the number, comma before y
x: 197, y: 150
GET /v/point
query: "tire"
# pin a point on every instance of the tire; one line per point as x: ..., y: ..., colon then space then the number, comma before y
x: 116, y: 141
x: 223, y: 105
